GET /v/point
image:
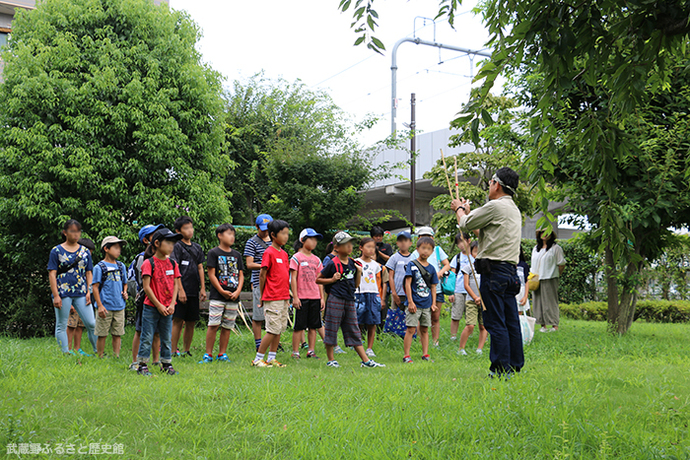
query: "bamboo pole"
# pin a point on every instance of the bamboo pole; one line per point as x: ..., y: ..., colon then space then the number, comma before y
x: 445, y: 171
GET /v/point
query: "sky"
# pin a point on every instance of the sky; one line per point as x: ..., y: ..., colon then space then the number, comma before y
x: 311, y: 40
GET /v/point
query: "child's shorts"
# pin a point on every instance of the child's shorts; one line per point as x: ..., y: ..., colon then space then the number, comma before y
x: 74, y: 320
x: 276, y: 315
x: 368, y: 306
x: 222, y: 313
x: 422, y: 317
x: 341, y: 313
x: 308, y: 316
x: 112, y: 324
x: 458, y: 310
x: 257, y: 309
x: 473, y: 314
x: 188, y: 311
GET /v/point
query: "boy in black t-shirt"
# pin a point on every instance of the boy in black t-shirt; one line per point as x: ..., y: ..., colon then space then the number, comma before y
x: 341, y: 276
x: 190, y: 258
x: 225, y: 272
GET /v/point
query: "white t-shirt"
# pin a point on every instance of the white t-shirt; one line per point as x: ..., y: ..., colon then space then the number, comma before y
x: 370, y: 272
x: 546, y: 262
x: 521, y: 294
x: 459, y: 281
x: 435, y: 261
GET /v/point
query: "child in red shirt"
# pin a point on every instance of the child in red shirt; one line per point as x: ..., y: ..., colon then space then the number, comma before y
x: 161, y: 280
x: 274, y: 282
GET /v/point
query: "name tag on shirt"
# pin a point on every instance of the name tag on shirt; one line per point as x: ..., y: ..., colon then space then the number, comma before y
x: 184, y: 262
x: 305, y: 264
x: 169, y: 272
x: 280, y: 261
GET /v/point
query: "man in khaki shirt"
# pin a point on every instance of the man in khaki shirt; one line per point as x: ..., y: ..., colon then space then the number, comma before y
x: 499, y: 224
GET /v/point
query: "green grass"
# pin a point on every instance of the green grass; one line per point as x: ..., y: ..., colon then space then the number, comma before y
x: 582, y: 394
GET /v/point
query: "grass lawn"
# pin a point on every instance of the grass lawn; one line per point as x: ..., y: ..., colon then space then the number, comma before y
x: 582, y: 394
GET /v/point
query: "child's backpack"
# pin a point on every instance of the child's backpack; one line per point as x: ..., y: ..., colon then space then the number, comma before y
x: 141, y: 295
x: 105, y: 271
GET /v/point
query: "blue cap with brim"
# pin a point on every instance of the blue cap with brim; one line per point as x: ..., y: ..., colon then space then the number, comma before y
x: 309, y: 232
x: 262, y: 221
x: 146, y: 230
x: 404, y: 235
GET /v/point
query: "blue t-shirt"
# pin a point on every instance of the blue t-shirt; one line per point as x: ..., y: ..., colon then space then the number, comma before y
x: 421, y: 293
x: 435, y: 259
x: 397, y: 263
x: 113, y: 285
x: 73, y: 282
x: 344, y: 288
x: 255, y: 248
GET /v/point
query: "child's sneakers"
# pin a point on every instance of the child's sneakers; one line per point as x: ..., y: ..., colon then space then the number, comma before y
x: 370, y: 353
x: 372, y: 363
x: 83, y: 353
x: 144, y: 370
x: 338, y: 351
x: 462, y: 352
x: 176, y: 354
x: 69, y: 353
x: 427, y: 358
x: 480, y: 352
x: 260, y: 363
x: 275, y: 363
x: 295, y: 354
x: 167, y: 368
x: 333, y: 363
x: 206, y: 359
x: 304, y: 346
x: 185, y: 354
x: 134, y: 367
x: 223, y: 357
x: 312, y: 354
x: 407, y: 360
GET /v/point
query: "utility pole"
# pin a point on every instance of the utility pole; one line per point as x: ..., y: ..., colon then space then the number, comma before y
x: 413, y: 153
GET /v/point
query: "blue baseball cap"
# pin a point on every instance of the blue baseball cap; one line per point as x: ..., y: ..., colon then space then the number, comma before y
x: 147, y: 230
x: 404, y: 234
x: 263, y: 220
x: 309, y: 232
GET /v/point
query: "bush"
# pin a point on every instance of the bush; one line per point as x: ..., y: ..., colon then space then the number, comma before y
x: 653, y: 311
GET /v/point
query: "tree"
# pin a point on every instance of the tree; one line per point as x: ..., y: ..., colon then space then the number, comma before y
x: 109, y: 117
x: 618, y: 51
x: 295, y: 154
x: 499, y: 144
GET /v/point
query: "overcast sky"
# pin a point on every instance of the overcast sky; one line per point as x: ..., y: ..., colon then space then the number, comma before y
x: 312, y: 41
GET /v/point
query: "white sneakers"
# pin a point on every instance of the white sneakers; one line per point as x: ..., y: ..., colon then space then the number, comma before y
x: 370, y: 353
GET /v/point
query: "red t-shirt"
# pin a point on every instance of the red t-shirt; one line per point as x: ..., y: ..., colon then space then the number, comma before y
x: 277, y: 285
x: 162, y: 281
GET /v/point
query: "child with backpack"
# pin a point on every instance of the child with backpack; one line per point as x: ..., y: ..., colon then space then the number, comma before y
x: 75, y: 326
x: 226, y: 274
x: 70, y: 270
x: 253, y: 252
x: 161, y: 280
x: 135, y: 288
x: 308, y: 298
x: 341, y: 276
x: 395, y: 317
x: 420, y: 286
x: 110, y: 295
x: 473, y: 305
x: 369, y: 292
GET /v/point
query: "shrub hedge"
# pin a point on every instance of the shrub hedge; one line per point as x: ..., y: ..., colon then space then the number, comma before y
x: 654, y: 311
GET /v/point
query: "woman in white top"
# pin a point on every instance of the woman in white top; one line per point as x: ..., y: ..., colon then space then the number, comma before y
x: 548, y: 261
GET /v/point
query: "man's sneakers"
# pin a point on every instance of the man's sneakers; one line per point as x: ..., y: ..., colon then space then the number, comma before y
x: 462, y: 352
x: 370, y: 353
x: 338, y: 351
x: 407, y: 360
x: 223, y: 357
x: 144, y: 370
x: 206, y: 359
x: 260, y: 363
x: 333, y: 363
x: 427, y: 358
x: 312, y: 354
x: 372, y: 363
x: 83, y: 353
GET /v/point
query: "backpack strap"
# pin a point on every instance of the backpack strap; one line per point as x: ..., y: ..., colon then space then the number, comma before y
x: 261, y: 242
x: 426, y: 276
x: 104, y: 274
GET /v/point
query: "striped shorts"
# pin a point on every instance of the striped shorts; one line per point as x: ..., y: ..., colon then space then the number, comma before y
x: 341, y: 313
x: 222, y: 313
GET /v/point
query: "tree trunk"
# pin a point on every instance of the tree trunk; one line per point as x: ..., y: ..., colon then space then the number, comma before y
x: 621, y: 306
x: 628, y: 301
x: 611, y: 288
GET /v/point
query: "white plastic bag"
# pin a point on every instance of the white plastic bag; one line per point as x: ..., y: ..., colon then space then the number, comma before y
x: 527, y: 326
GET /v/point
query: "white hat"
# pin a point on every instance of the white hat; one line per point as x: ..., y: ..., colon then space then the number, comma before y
x: 425, y: 231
